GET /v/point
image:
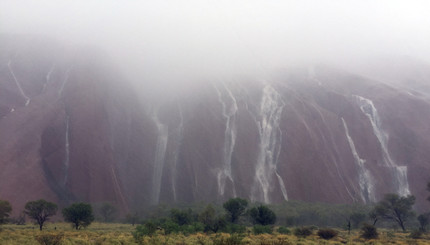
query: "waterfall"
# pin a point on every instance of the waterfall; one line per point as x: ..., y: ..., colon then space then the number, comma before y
x: 66, y: 79
x: 229, y: 110
x: 160, y: 153
x: 67, y: 152
x: 365, y: 180
x: 180, y: 132
x: 27, y: 99
x: 48, y: 77
x: 270, y: 145
x: 399, y: 172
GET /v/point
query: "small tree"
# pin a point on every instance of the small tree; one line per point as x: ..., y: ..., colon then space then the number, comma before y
x: 207, y: 217
x: 235, y: 208
x: 396, y: 208
x: 40, y: 211
x: 5, y: 209
x: 302, y: 231
x: 327, y: 233
x: 262, y: 215
x: 107, y: 212
x: 424, y: 220
x: 369, y: 232
x: 49, y: 239
x: 373, y: 215
x: 79, y: 214
x: 181, y: 217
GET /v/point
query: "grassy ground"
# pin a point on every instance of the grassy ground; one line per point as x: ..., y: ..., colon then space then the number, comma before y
x: 120, y: 234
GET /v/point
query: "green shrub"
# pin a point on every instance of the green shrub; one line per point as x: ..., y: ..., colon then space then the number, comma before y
x: 170, y: 227
x: 192, y: 228
x: 284, y: 230
x: 49, y: 239
x: 369, y: 232
x: 303, y: 231
x: 416, y: 234
x: 260, y: 229
x: 147, y: 229
x: 262, y: 215
x: 327, y: 233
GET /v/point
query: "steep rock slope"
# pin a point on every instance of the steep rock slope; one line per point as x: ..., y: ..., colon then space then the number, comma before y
x: 66, y: 123
x: 72, y: 129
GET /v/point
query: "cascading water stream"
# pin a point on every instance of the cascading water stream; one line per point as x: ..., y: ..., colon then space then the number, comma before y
x: 180, y: 132
x: 399, y: 172
x: 160, y: 153
x: 67, y: 152
x: 270, y: 145
x: 229, y: 110
x: 48, y: 77
x: 365, y: 179
x: 66, y: 79
x: 27, y: 99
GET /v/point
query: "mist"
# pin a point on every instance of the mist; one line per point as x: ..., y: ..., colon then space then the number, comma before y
x: 141, y: 103
x: 182, y: 42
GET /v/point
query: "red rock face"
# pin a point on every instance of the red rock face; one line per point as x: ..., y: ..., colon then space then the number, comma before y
x: 71, y: 129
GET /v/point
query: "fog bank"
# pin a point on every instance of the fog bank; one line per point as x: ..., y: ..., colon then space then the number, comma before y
x: 185, y: 41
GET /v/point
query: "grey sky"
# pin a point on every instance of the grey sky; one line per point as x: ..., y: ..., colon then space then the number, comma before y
x: 190, y: 39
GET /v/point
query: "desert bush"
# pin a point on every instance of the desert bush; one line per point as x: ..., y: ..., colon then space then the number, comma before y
x: 49, y: 239
x: 369, y: 232
x: 234, y: 228
x: 416, y: 234
x: 284, y: 230
x: 234, y: 239
x: 5, y: 209
x: 262, y: 215
x: 192, y: 228
x: 170, y: 227
x: 424, y: 220
x: 147, y: 229
x: 302, y: 231
x: 80, y: 215
x: 327, y: 233
x: 261, y: 229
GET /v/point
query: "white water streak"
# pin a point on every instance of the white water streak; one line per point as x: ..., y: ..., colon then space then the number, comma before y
x: 160, y: 154
x: 67, y: 152
x: 335, y: 162
x: 282, y: 185
x: 270, y: 144
x: 65, y: 80
x: 312, y: 76
x: 365, y: 179
x: 229, y: 110
x: 399, y: 172
x: 27, y: 99
x: 180, y: 132
x: 48, y: 77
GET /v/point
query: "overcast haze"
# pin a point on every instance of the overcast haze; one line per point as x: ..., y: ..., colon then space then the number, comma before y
x: 192, y: 40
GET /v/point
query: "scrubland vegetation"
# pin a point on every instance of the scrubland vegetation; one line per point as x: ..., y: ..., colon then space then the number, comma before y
x: 390, y: 221
x: 121, y: 234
